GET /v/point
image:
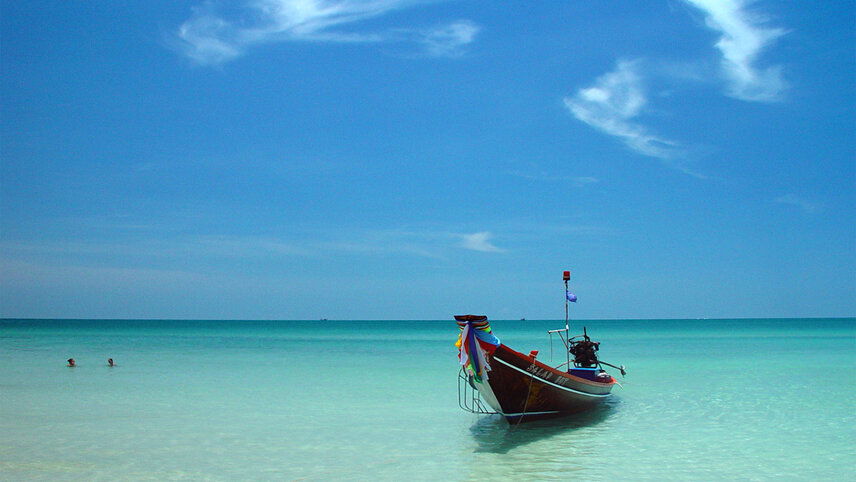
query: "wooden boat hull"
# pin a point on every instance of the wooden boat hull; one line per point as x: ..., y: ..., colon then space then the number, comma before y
x: 521, y: 388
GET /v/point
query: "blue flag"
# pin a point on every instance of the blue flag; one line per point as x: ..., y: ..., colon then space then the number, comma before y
x: 571, y: 297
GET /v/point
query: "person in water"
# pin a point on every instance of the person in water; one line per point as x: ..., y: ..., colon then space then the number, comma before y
x: 71, y: 362
x: 110, y: 362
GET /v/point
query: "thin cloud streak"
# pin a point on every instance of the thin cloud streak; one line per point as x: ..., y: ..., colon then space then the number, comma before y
x: 741, y: 43
x: 578, y: 181
x: 210, y: 38
x: 218, y: 248
x: 805, y: 205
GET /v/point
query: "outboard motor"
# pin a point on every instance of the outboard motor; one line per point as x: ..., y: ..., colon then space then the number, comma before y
x: 584, y: 352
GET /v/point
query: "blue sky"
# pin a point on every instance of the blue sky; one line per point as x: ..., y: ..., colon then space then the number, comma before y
x: 398, y: 159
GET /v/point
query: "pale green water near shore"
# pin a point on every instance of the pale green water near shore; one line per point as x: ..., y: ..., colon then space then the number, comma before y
x: 219, y: 400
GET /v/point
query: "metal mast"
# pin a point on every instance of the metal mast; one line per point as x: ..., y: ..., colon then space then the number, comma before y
x: 566, y: 339
x: 567, y: 276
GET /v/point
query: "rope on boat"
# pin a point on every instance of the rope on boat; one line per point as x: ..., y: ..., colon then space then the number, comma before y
x: 550, y: 336
x: 526, y: 404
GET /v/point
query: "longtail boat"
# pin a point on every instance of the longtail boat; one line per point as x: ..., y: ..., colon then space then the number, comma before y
x: 495, y: 379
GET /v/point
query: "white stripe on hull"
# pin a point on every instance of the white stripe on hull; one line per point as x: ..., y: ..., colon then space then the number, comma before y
x: 596, y: 395
x: 529, y: 413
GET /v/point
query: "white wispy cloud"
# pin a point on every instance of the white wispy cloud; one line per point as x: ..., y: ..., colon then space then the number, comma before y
x: 480, y: 242
x: 611, y: 106
x: 743, y: 38
x: 807, y: 206
x: 449, y: 40
x: 212, y: 36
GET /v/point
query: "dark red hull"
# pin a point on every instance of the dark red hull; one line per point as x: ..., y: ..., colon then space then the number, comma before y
x: 522, y: 388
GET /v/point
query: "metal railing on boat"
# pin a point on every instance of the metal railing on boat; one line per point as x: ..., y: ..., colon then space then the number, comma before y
x: 469, y: 398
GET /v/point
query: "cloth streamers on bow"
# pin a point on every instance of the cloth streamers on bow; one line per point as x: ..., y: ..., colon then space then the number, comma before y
x: 474, y: 342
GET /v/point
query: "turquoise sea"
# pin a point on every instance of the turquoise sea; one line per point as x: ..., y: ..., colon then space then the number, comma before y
x: 769, y: 399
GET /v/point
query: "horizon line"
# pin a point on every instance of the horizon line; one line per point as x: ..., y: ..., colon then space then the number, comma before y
x: 432, y: 320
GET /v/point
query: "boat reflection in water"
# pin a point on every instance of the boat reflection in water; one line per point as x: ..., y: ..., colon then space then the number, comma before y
x: 494, y: 435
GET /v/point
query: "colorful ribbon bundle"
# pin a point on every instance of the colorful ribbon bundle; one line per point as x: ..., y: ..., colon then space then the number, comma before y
x: 474, y: 341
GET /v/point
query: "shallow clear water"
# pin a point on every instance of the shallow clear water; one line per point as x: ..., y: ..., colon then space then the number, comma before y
x: 703, y: 399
